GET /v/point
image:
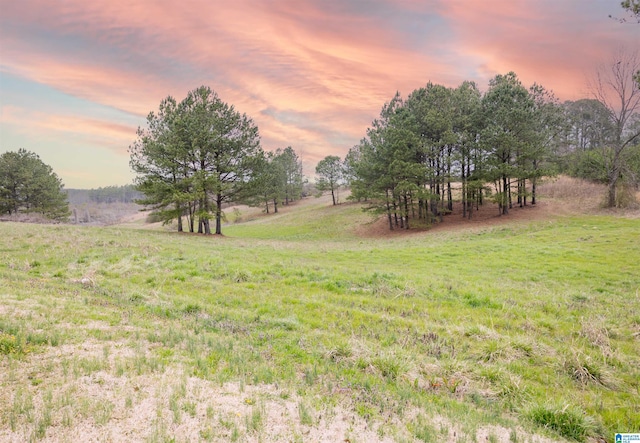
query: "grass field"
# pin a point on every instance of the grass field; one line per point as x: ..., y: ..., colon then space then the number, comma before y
x: 295, y: 327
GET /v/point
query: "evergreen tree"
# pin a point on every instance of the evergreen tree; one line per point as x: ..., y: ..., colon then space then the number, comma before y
x: 195, y: 156
x: 29, y: 185
x: 329, y: 170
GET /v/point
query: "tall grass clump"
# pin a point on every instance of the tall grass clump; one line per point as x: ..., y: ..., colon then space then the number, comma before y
x: 568, y: 421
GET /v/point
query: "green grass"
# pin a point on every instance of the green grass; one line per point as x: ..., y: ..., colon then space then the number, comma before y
x: 488, y: 327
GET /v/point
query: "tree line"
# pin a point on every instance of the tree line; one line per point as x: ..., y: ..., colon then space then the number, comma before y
x: 494, y: 145
x: 115, y: 194
x: 437, y: 146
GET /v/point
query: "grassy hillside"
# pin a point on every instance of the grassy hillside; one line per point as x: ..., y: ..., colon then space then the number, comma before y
x: 294, y: 328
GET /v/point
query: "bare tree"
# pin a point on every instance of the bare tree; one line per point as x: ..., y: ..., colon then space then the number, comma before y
x: 615, y: 87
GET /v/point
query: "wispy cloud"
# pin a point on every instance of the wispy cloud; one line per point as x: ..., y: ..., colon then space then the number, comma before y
x: 311, y: 73
x: 109, y: 134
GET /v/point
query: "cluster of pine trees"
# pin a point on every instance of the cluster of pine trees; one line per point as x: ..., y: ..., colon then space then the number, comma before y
x: 199, y: 154
x: 28, y: 185
x: 277, y: 178
x: 420, y: 146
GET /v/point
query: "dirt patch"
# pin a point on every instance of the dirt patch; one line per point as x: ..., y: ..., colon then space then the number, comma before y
x: 486, y: 216
x: 112, y: 392
x: 564, y: 196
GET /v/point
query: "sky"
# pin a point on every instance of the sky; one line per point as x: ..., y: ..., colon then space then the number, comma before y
x: 78, y: 77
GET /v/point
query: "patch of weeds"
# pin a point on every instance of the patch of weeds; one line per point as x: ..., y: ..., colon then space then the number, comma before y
x: 241, y: 276
x: 190, y: 407
x: 339, y: 352
x: 67, y: 417
x: 491, y: 351
x: 389, y: 366
x: 207, y: 434
x: 22, y: 407
x: 254, y: 421
x: 103, y: 412
x: 85, y: 366
x: 474, y: 301
x: 595, y: 331
x: 174, y: 405
x: 191, y: 309
x: 584, y: 370
x: 569, y: 422
x: 235, y: 434
x: 580, y: 298
x: 305, y: 414
x: 423, y: 431
x: 287, y: 324
x: 44, y: 420
x: 310, y: 376
x: 12, y: 345
x: 523, y: 347
x: 365, y: 410
x: 159, y: 432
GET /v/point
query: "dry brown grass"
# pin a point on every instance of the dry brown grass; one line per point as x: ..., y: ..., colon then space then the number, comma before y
x: 583, y: 196
x: 578, y: 194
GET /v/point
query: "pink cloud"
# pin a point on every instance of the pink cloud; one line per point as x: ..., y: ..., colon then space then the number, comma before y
x: 112, y: 135
x: 545, y: 42
x: 312, y: 74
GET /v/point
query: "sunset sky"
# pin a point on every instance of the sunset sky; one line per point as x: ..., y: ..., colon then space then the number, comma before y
x: 78, y: 77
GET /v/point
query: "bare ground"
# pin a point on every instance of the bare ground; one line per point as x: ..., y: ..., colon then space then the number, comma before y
x: 171, y: 405
x: 560, y: 197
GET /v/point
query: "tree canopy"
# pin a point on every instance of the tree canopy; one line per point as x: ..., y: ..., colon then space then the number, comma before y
x: 329, y: 170
x: 421, y: 145
x: 193, y: 157
x: 27, y: 185
x: 277, y: 178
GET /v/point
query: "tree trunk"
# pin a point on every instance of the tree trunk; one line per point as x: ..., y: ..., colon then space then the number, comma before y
x: 406, y: 212
x: 464, y: 197
x: 389, y: 211
x: 614, y: 175
x: 611, y: 192
x: 192, y: 215
x: 505, y: 195
x: 218, y: 214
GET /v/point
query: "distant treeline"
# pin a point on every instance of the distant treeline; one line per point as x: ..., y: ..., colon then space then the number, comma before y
x: 107, y: 194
